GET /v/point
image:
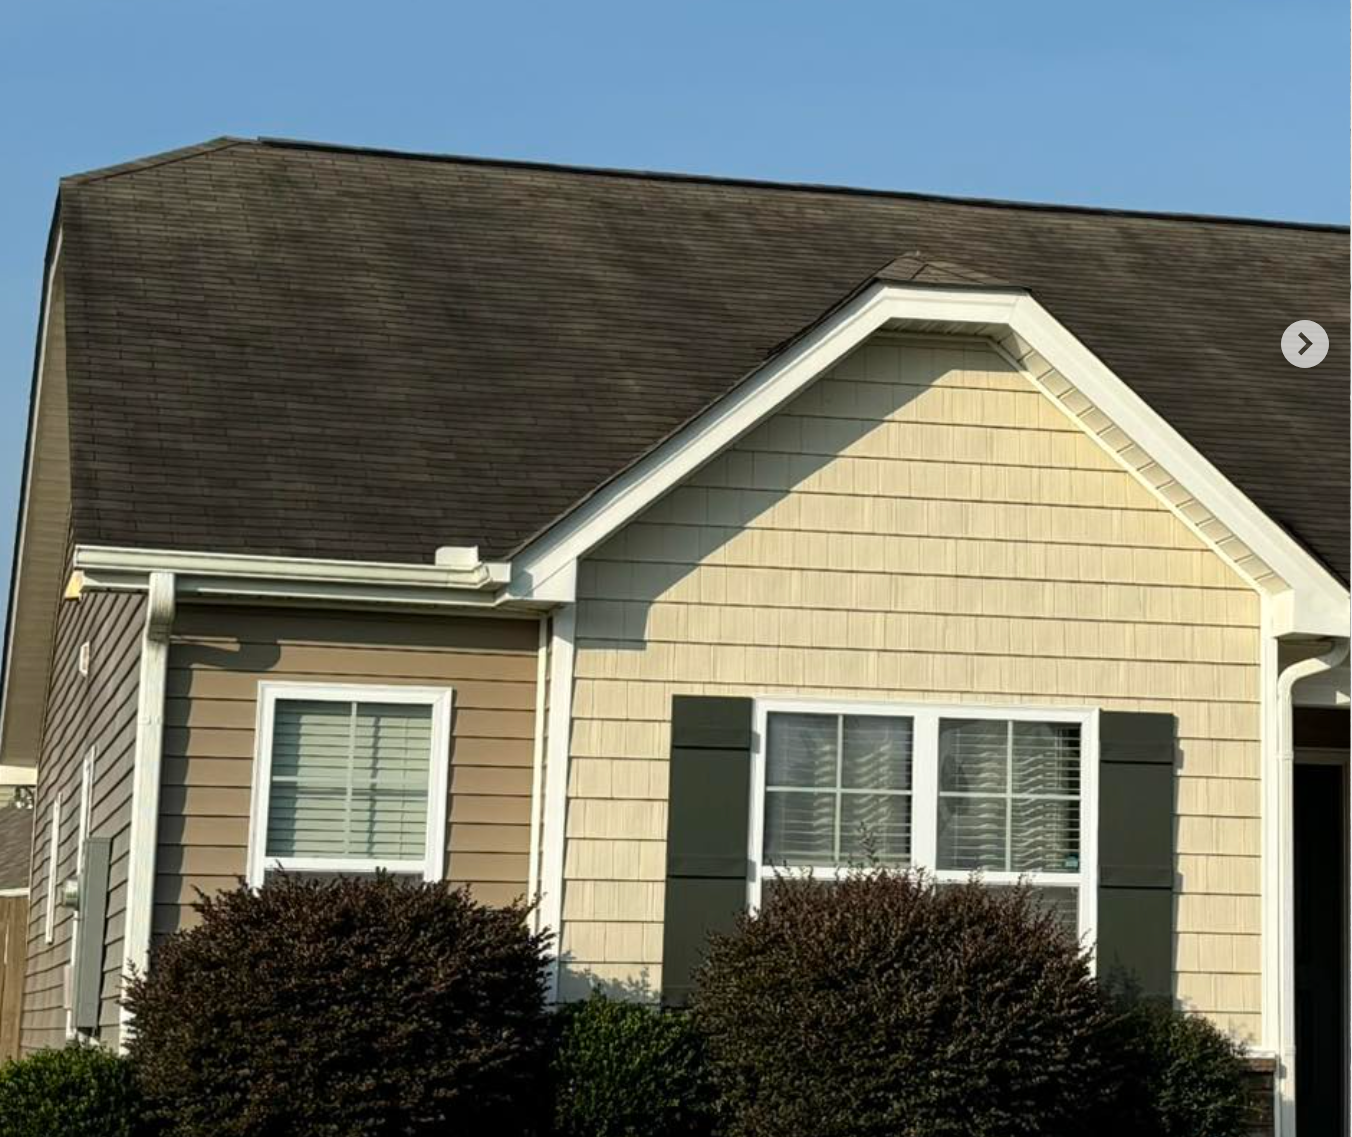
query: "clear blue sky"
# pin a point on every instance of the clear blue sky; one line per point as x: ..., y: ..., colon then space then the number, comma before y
x: 1217, y: 106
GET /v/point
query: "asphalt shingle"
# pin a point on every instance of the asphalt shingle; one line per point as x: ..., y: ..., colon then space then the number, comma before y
x: 294, y: 349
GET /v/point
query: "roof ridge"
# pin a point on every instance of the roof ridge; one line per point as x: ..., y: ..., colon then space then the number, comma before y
x: 150, y: 161
x: 792, y: 187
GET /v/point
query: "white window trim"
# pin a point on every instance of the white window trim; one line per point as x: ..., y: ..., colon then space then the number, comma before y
x: 925, y: 790
x: 440, y: 699
x: 53, y: 847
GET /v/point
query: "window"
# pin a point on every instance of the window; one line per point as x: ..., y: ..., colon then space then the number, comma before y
x: 1006, y: 793
x: 349, y: 779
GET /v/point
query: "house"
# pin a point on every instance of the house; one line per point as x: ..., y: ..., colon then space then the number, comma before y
x: 619, y: 537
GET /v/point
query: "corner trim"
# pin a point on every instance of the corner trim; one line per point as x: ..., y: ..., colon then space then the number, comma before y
x: 556, y: 787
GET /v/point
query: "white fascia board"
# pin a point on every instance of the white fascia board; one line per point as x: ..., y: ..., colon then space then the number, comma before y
x: 1316, y: 602
x: 18, y: 775
x: 121, y: 567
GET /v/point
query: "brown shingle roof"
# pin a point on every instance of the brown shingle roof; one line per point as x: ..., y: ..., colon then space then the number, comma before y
x: 295, y: 349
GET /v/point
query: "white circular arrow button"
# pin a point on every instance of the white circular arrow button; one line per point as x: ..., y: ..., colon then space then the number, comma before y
x: 1305, y: 344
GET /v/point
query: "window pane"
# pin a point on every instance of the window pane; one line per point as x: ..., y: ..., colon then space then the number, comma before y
x: 349, y: 780
x: 877, y: 753
x: 875, y: 826
x: 800, y: 828
x: 1045, y: 835
x: 801, y: 750
x: 1065, y: 904
x: 1046, y: 758
x: 972, y: 833
x: 309, y: 821
x: 973, y: 755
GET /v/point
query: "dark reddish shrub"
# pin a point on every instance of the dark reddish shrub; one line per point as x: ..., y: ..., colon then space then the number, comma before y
x: 879, y: 1004
x: 341, y: 1008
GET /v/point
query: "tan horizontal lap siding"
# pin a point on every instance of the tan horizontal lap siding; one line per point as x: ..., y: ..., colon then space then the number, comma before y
x: 920, y: 525
x: 218, y: 658
x: 95, y: 711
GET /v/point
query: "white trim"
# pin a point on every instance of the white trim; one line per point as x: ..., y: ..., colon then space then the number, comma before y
x: 95, y: 559
x: 81, y: 835
x: 26, y: 497
x: 145, y: 786
x: 1313, y: 600
x: 440, y: 699
x: 537, y: 774
x: 924, y: 792
x: 556, y: 787
x: 53, y: 847
x: 1284, y: 902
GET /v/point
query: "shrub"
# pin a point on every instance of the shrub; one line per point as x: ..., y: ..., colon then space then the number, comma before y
x: 81, y: 1091
x: 1187, y: 1078
x: 880, y: 1004
x: 342, y: 1007
x: 628, y: 1070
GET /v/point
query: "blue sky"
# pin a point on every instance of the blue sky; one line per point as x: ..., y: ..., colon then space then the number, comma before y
x: 1218, y: 107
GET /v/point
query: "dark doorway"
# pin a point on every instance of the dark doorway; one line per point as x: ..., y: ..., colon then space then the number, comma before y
x: 1321, y: 880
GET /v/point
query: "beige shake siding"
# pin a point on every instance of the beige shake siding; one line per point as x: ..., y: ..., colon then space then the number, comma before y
x: 93, y: 713
x: 921, y: 524
x: 217, y: 658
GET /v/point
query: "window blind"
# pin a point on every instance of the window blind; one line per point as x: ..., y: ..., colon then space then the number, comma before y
x: 349, y: 780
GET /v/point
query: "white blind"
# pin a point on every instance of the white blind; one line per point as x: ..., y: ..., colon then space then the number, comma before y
x: 837, y: 789
x: 1009, y: 795
x: 349, y: 780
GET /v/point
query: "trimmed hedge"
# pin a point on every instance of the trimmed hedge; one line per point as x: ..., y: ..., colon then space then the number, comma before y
x: 882, y: 1005
x: 343, y: 1007
x: 1187, y: 1078
x: 80, y: 1091
x: 628, y: 1070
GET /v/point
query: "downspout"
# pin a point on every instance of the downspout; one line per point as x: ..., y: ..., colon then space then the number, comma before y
x: 145, y: 793
x: 1285, y: 1088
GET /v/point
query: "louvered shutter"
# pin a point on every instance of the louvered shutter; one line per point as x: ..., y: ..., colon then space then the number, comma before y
x: 1136, y: 854
x: 707, y: 831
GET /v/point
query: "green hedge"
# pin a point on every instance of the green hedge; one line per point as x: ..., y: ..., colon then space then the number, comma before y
x: 81, y: 1091
x: 344, y: 1007
x: 628, y: 1070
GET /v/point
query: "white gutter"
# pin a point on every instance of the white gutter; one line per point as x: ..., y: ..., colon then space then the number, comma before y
x: 457, y: 573
x: 145, y: 792
x: 1285, y: 1085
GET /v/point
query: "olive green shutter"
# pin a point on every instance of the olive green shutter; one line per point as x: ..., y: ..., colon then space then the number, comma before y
x: 707, y: 818
x: 1136, y: 854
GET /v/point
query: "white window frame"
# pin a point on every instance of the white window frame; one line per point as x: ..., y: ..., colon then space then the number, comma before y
x: 925, y: 792
x: 53, y: 848
x: 431, y: 865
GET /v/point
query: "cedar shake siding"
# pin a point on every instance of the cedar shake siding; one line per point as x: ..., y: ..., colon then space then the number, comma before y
x: 94, y: 713
x: 219, y: 655
x: 920, y: 525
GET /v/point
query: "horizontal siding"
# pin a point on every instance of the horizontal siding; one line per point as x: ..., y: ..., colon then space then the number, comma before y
x: 95, y: 711
x: 920, y: 525
x: 219, y: 656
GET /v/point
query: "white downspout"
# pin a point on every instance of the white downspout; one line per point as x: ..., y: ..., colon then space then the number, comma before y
x: 145, y: 791
x: 1285, y: 1087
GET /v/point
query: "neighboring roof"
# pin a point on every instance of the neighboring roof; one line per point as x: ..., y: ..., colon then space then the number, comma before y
x: 294, y: 349
x: 16, y: 845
